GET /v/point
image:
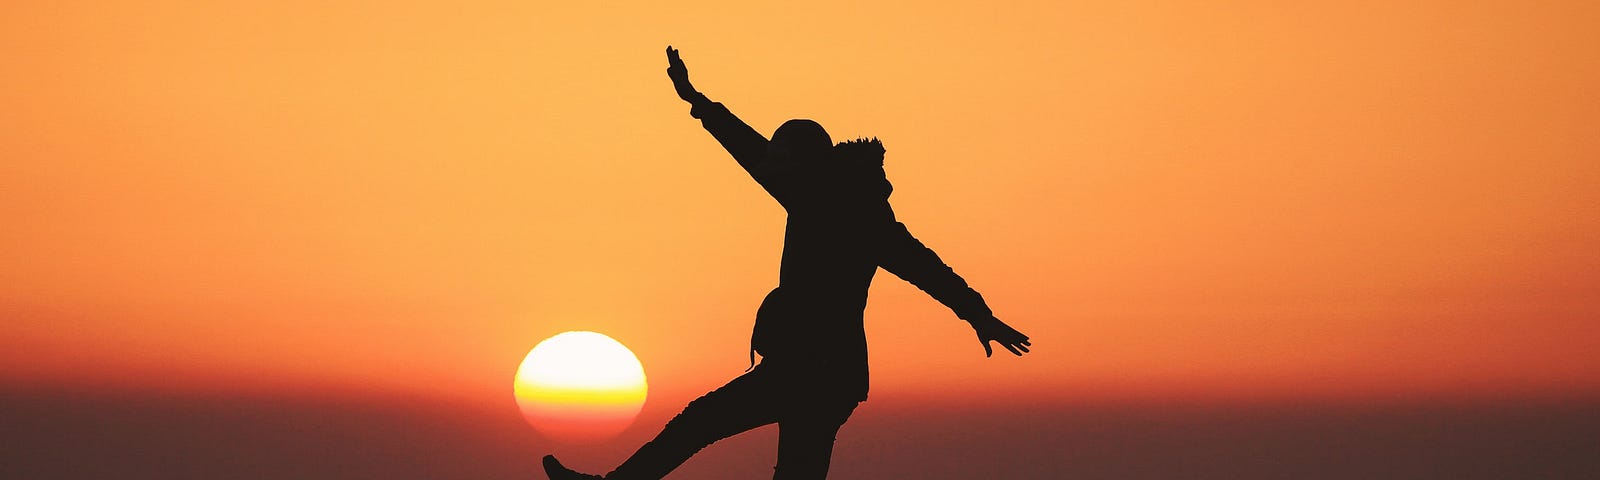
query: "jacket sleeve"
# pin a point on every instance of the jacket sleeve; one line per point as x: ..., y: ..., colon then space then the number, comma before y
x: 747, y: 146
x: 907, y: 258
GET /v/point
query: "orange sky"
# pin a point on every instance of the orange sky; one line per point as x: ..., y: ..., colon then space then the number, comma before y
x: 1210, y: 198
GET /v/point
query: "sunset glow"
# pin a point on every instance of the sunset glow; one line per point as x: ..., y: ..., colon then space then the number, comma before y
x: 1229, y: 199
x: 332, y: 220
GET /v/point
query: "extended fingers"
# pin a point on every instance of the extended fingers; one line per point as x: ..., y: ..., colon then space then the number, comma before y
x: 1018, y: 342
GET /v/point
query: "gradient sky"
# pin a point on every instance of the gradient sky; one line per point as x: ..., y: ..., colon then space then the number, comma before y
x: 1202, y: 199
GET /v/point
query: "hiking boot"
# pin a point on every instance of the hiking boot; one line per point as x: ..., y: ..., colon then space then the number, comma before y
x: 556, y: 471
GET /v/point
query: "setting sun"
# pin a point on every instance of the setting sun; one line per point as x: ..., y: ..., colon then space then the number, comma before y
x: 311, y: 239
x: 580, y: 387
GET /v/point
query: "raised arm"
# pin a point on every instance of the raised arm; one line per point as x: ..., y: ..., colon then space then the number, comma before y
x: 747, y: 146
x: 903, y: 255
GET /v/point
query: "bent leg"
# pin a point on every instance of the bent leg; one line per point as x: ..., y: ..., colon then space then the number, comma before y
x: 741, y: 405
x: 805, y: 440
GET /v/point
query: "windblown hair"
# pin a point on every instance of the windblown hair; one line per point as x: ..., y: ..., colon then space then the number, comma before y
x: 860, y: 165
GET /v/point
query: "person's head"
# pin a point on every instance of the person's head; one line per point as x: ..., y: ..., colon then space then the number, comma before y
x: 799, y: 140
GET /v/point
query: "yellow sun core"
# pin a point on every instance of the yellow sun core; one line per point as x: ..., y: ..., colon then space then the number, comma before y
x: 580, y: 387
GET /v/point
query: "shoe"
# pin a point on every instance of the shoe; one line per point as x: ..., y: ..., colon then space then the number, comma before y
x: 556, y: 471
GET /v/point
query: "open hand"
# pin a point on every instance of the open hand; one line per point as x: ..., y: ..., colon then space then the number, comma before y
x: 993, y: 330
x: 680, y: 76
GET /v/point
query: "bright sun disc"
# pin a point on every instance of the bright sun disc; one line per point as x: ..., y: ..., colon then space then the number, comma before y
x: 580, y: 387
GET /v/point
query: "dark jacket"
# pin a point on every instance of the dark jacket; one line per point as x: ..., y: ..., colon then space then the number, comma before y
x: 840, y: 230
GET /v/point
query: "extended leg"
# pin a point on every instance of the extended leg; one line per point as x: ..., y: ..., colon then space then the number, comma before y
x: 741, y: 405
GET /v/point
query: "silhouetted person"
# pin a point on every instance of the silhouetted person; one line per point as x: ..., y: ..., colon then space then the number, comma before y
x: 809, y: 331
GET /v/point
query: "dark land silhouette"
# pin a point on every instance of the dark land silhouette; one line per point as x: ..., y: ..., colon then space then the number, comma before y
x: 809, y: 330
x: 98, y: 433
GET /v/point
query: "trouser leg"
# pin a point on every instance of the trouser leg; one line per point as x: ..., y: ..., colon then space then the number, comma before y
x: 805, y: 440
x: 741, y: 405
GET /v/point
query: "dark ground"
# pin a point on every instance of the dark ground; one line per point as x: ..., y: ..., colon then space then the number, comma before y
x: 60, y: 435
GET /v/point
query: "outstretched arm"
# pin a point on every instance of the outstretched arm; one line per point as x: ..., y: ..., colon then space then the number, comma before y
x: 747, y: 146
x: 907, y: 258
